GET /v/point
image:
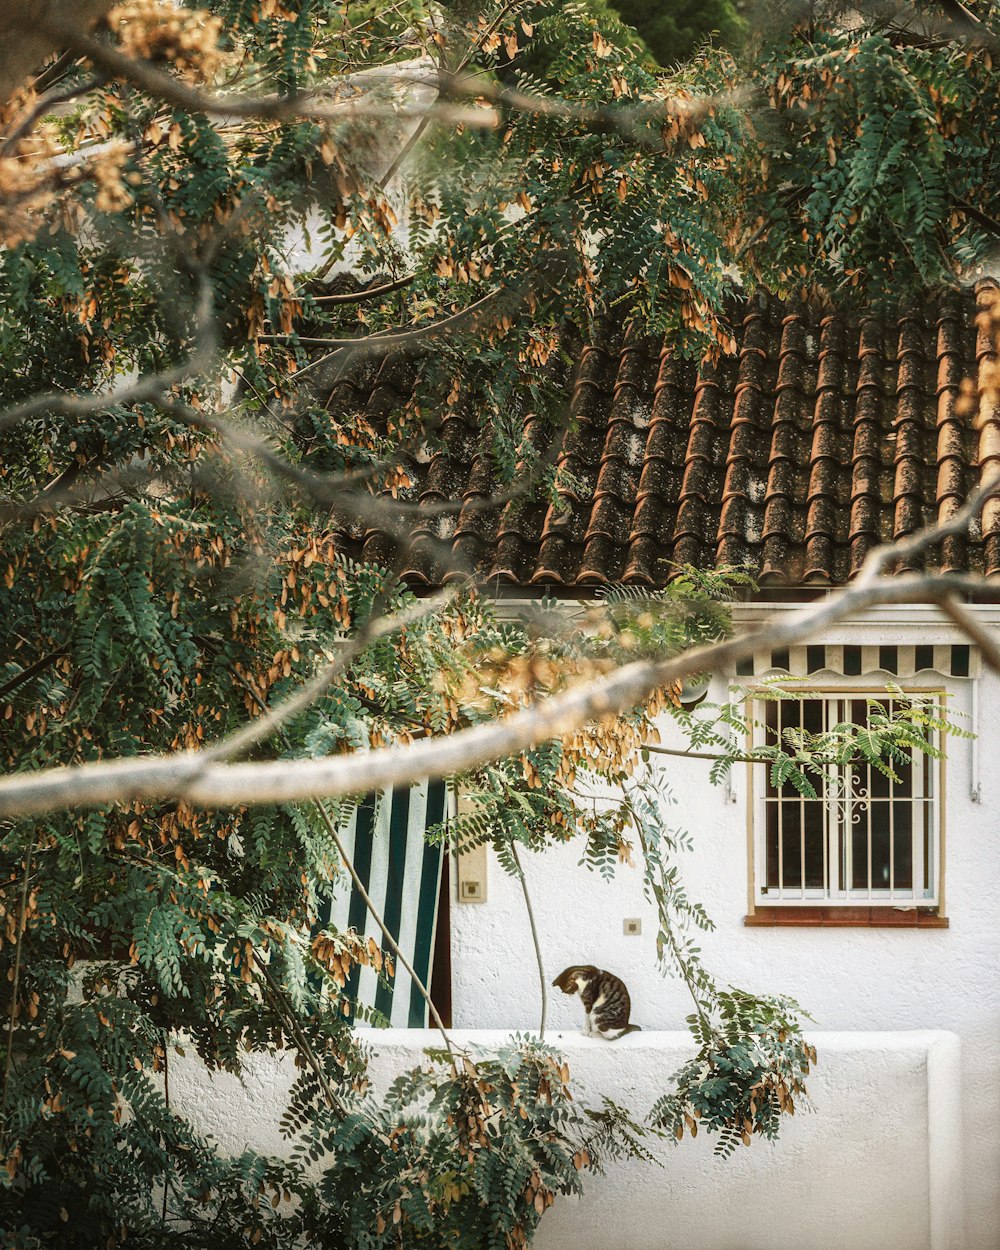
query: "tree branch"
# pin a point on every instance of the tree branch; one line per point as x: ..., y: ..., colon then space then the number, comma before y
x: 335, y: 489
x: 535, y: 942
x: 625, y: 119
x: 32, y: 670
x: 376, y: 915
x: 202, y: 783
x: 967, y: 22
x: 144, y: 389
x: 679, y: 753
x: 301, y: 105
x: 974, y: 629
x: 979, y: 217
x: 392, y: 340
x: 275, y: 717
x: 188, y: 776
x: 422, y: 125
x: 372, y: 292
x: 15, y: 979
x: 286, y: 1012
x: 59, y: 95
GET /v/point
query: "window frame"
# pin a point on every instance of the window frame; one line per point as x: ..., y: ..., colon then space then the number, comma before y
x: 843, y: 907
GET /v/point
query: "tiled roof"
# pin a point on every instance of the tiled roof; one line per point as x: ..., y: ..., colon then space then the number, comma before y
x: 823, y: 435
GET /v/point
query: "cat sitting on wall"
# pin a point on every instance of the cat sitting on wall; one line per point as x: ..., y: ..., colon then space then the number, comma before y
x: 605, y: 1000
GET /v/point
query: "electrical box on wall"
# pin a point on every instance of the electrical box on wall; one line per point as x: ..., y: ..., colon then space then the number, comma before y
x: 632, y: 927
x: 471, y: 875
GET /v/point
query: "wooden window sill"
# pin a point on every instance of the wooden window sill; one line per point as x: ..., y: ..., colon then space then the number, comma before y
x: 848, y: 917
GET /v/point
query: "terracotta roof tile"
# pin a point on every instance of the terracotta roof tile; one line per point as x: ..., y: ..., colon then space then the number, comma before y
x: 988, y: 452
x: 823, y: 436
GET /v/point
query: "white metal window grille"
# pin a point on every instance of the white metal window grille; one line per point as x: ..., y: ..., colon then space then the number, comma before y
x: 865, y: 838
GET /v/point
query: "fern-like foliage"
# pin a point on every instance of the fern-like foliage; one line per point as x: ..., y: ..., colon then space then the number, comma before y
x: 160, y: 586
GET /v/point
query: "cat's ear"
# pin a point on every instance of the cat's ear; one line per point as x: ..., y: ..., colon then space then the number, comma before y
x: 565, y: 979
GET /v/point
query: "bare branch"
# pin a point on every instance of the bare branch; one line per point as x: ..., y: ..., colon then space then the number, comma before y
x: 197, y: 779
x: 376, y: 915
x: 680, y: 754
x: 315, y: 106
x: 394, y: 340
x: 626, y: 118
x: 974, y: 629
x: 411, y: 143
x: 372, y: 292
x: 956, y: 22
x: 980, y: 217
x: 159, y: 83
x: 515, y: 290
x: 59, y: 95
x: 336, y: 490
x: 287, y: 1014
x: 640, y: 122
x: 54, y: 71
x: 188, y: 776
x: 918, y: 542
x: 22, y: 912
x: 542, y: 981
x: 275, y: 717
x: 140, y: 390
x: 967, y: 22
x: 32, y: 670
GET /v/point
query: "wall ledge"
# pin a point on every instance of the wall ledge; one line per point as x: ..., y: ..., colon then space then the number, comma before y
x: 878, y: 1162
x: 847, y: 917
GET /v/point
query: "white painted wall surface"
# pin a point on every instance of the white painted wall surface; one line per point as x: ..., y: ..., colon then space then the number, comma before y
x: 847, y: 979
x: 885, y: 1098
x: 903, y: 1149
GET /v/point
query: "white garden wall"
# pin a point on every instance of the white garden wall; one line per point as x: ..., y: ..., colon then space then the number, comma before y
x: 877, y: 1163
x: 848, y: 979
x: 902, y: 1149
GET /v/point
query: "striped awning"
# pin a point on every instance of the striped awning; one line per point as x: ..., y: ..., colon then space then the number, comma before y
x: 402, y: 874
x: 947, y: 660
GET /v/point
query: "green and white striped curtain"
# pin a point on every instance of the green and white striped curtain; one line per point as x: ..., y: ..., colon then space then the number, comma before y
x: 402, y: 874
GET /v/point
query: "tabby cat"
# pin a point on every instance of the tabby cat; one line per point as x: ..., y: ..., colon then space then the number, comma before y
x: 605, y: 1000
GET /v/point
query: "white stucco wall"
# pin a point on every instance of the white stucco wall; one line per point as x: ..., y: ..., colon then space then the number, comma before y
x: 902, y: 1148
x: 878, y: 1096
x: 847, y: 979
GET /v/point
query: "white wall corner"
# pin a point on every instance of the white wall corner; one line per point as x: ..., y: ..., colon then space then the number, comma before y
x: 945, y: 1141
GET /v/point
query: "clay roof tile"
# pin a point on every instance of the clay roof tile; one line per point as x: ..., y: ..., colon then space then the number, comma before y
x: 822, y: 436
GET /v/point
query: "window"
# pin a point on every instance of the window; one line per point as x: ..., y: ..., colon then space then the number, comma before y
x: 866, y: 839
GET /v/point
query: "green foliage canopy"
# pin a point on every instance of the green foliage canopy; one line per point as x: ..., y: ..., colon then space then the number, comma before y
x: 170, y: 564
